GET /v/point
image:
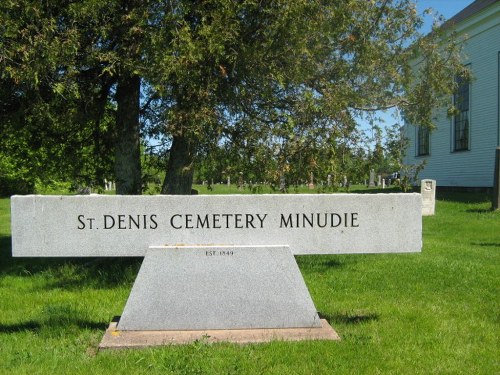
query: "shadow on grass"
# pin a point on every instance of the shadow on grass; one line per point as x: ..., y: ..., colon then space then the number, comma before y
x: 318, y: 263
x: 29, y: 325
x: 463, y: 197
x: 350, y: 318
x: 479, y: 211
x: 70, y: 272
x: 36, y: 326
x: 388, y: 190
x: 486, y: 244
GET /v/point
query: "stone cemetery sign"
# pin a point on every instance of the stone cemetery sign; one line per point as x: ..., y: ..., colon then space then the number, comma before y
x: 95, y: 225
x: 216, y: 262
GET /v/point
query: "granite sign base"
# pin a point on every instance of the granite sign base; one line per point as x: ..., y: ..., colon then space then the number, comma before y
x: 116, y: 339
x: 218, y: 288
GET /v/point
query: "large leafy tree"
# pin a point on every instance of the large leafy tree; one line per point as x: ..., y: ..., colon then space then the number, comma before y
x: 278, y: 84
x: 73, y: 72
x: 282, y: 84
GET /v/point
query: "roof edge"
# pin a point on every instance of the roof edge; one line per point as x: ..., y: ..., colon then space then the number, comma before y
x: 476, y: 7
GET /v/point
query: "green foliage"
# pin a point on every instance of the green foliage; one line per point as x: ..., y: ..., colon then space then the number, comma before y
x: 343, y: 62
x: 55, y: 90
x: 266, y: 88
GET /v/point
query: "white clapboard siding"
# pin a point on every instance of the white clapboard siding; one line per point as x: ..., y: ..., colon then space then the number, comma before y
x: 474, y: 167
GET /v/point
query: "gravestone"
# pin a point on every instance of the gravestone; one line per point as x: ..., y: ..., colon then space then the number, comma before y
x: 216, y: 262
x: 311, y: 182
x: 282, y: 183
x: 240, y: 181
x: 428, y: 192
x: 372, y: 178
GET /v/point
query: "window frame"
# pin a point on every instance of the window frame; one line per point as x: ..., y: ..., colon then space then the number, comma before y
x: 461, y: 123
x: 423, y: 146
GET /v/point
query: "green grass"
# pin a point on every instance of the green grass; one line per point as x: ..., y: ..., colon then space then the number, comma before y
x: 435, y: 312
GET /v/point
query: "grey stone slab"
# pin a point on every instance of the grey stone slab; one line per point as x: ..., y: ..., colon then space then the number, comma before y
x: 116, y: 339
x: 193, y: 288
x: 101, y: 225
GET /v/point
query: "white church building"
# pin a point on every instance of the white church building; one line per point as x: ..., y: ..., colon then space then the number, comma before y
x: 460, y: 152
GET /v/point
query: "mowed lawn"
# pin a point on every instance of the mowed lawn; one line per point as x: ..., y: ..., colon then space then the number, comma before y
x: 435, y: 312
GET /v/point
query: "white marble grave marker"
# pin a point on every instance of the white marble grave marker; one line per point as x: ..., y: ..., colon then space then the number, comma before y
x: 428, y: 191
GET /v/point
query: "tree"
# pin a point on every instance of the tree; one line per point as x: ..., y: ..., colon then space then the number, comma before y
x: 285, y: 79
x: 288, y: 78
x: 74, y: 59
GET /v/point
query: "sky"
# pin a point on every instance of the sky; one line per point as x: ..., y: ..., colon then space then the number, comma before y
x: 447, y: 8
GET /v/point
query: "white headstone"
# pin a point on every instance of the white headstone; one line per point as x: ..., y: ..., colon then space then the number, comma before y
x: 428, y: 192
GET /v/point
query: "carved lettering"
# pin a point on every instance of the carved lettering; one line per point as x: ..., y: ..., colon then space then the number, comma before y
x: 217, y: 221
x: 238, y: 221
x: 319, y: 220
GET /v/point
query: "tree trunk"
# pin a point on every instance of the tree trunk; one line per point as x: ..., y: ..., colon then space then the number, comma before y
x: 179, y: 178
x: 128, y: 154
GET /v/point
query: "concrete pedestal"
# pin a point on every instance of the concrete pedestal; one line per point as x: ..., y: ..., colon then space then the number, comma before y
x: 116, y: 339
x: 217, y: 288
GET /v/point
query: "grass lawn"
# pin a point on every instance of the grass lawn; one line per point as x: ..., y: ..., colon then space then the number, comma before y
x: 435, y: 312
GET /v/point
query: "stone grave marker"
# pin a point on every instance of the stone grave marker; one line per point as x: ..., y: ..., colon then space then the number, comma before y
x: 311, y: 182
x: 428, y: 191
x: 240, y: 181
x: 372, y: 178
x: 282, y: 183
x: 214, y: 263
